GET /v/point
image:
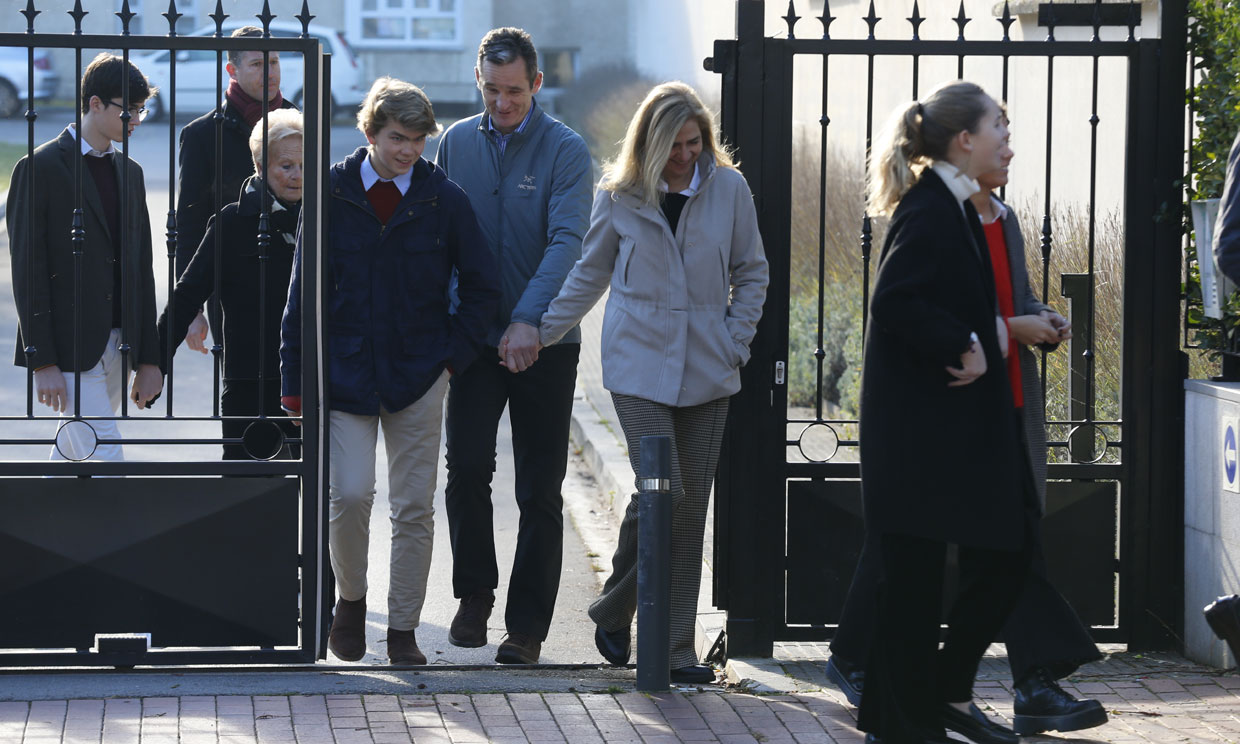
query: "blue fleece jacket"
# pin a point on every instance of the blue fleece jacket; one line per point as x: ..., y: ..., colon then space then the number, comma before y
x: 533, y: 206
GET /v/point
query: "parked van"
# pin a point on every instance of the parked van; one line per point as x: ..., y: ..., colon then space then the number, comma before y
x: 196, y: 92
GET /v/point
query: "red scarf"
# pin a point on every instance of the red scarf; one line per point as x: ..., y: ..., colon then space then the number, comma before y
x: 250, y: 109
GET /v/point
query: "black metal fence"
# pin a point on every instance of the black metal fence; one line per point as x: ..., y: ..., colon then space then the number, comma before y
x: 1101, y: 213
x: 165, y: 562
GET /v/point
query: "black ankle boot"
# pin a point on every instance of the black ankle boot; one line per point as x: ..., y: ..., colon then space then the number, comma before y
x: 1042, y: 705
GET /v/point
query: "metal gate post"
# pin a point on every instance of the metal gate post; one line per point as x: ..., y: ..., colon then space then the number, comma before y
x: 654, y: 563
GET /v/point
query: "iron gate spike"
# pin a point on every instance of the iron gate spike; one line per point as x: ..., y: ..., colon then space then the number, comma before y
x: 219, y: 16
x: 961, y: 21
x: 791, y: 18
x: 265, y: 18
x: 872, y: 20
x: 1006, y: 20
x: 126, y: 15
x: 305, y: 18
x: 916, y: 19
x: 78, y: 14
x: 30, y: 13
x: 826, y: 18
x: 173, y: 16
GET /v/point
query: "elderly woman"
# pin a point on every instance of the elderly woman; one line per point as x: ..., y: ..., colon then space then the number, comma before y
x: 674, y: 233
x: 251, y: 380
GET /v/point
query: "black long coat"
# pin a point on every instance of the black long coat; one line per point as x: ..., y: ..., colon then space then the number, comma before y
x: 42, y: 238
x: 240, y: 285
x: 944, y: 463
x: 196, y: 174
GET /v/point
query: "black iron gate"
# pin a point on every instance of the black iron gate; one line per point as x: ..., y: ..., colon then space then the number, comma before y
x: 788, y: 510
x: 174, y: 556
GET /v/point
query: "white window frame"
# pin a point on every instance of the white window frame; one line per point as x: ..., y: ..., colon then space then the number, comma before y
x: 355, y: 15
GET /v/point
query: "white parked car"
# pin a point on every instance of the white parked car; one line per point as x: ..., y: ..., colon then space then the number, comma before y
x: 14, y: 75
x: 196, y: 92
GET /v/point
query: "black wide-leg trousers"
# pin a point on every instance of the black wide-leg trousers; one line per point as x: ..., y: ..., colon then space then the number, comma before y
x: 908, y: 677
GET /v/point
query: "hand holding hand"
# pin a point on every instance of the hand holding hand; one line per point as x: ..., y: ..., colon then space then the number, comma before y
x: 49, y: 384
x: 519, y: 347
x: 197, y: 334
x: 1060, y: 324
x: 291, y: 405
x: 1030, y: 330
x: 148, y: 383
x: 972, y: 366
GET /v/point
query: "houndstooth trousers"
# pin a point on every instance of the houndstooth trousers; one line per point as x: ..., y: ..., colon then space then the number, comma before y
x: 696, y: 433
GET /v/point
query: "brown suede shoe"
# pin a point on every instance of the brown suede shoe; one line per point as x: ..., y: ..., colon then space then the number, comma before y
x: 403, y: 648
x: 469, y: 627
x: 347, y: 639
x: 518, y: 648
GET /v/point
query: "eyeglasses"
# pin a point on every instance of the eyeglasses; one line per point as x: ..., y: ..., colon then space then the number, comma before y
x: 136, y: 112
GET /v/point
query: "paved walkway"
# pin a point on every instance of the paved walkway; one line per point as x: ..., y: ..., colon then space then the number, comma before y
x: 1151, y: 698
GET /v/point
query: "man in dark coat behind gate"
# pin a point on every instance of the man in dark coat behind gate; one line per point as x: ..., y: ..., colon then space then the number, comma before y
x: 197, y: 199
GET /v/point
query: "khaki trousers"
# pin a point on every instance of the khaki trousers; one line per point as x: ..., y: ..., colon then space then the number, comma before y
x: 412, y: 441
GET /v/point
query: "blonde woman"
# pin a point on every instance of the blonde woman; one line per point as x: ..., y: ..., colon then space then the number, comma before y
x: 674, y: 234
x: 934, y: 352
x: 245, y: 392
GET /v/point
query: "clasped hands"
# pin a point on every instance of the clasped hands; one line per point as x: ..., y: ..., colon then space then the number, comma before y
x: 518, y: 348
x: 1047, y: 327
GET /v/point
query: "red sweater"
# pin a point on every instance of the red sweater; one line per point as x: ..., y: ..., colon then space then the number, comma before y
x: 1003, y: 288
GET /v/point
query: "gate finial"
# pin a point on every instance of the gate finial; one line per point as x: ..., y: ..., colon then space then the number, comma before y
x: 961, y: 21
x: 30, y: 13
x: 872, y: 20
x: 126, y: 15
x: 173, y: 16
x: 265, y: 18
x: 219, y: 16
x: 305, y: 18
x: 1097, y: 19
x: 1050, y: 20
x: 916, y: 20
x: 77, y: 14
x: 791, y: 18
x: 826, y: 19
x: 1007, y: 20
x: 1134, y: 19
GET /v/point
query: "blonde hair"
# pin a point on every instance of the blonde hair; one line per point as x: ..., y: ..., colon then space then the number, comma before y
x: 648, y: 141
x: 391, y: 100
x: 281, y: 124
x: 917, y: 133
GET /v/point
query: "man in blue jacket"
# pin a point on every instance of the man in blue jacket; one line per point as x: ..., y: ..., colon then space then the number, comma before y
x: 528, y: 178
x: 399, y: 232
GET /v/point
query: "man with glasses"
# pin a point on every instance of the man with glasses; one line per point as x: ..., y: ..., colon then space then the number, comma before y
x: 116, y: 290
x: 196, y: 196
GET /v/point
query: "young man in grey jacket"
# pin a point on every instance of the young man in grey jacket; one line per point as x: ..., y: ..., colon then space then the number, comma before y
x: 528, y: 179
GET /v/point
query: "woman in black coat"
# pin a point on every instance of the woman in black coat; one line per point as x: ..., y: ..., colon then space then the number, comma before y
x: 942, y: 461
x: 251, y: 379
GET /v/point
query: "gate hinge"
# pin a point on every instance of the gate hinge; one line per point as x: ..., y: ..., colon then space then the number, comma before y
x: 780, y: 369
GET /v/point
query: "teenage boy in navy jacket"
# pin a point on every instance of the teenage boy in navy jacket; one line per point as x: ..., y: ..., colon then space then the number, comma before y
x: 399, y: 229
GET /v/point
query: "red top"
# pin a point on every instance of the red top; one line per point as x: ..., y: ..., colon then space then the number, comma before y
x: 1003, y: 288
x: 384, y: 196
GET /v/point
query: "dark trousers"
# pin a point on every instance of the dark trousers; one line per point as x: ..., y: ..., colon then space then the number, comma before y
x: 540, y: 404
x: 249, y: 398
x: 908, y: 677
x: 1042, y: 631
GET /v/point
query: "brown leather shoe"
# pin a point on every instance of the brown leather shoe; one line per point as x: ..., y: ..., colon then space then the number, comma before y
x: 402, y: 647
x: 469, y: 626
x: 347, y: 639
x: 518, y: 648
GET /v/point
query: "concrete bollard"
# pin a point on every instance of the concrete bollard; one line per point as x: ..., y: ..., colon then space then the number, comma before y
x: 654, y: 551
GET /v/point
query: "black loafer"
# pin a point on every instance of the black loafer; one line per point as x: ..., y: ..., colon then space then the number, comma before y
x: 976, y: 726
x: 614, y: 645
x: 698, y: 674
x: 847, y: 676
x: 872, y: 739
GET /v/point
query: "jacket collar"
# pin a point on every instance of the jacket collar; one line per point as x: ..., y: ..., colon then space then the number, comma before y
x: 68, y: 144
x: 706, y: 167
x: 533, y: 120
x: 250, y: 201
x: 346, y: 179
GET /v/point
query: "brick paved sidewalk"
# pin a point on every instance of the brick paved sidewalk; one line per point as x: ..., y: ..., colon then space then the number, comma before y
x: 1151, y: 698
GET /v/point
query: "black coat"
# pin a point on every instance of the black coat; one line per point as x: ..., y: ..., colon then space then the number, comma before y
x: 42, y: 238
x: 240, y: 286
x: 196, y: 174
x: 939, y: 462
